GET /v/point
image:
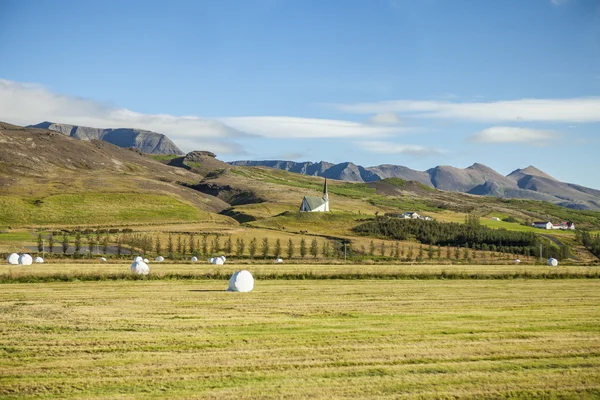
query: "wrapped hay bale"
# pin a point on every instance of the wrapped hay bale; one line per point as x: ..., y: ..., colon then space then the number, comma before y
x: 140, y: 268
x: 138, y: 259
x: 159, y: 259
x: 13, y: 259
x: 553, y: 262
x: 241, y: 281
x: 38, y: 260
x: 194, y: 259
x: 25, y: 259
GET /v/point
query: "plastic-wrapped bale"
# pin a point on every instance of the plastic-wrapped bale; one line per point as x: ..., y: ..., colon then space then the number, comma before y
x: 25, y: 259
x: 38, y: 260
x: 241, y: 281
x: 146, y: 260
x: 218, y: 261
x: 140, y: 268
x: 553, y: 262
x: 103, y: 259
x: 138, y: 259
x: 222, y: 258
x: 279, y: 260
x: 159, y: 259
x: 516, y: 261
x: 13, y: 259
x: 194, y: 259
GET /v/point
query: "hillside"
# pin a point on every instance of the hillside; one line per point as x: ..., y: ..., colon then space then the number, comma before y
x: 478, y: 179
x: 49, y: 178
x: 146, y: 141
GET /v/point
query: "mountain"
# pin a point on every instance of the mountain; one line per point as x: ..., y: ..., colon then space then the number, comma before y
x: 478, y: 179
x: 146, y: 141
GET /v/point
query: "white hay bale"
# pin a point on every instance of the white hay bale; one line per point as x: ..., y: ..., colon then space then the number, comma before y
x: 25, y: 259
x: 138, y: 259
x: 159, y: 259
x: 194, y: 259
x: 13, y: 259
x: 146, y: 260
x: 103, y: 259
x: 140, y: 268
x: 223, y: 258
x: 553, y: 262
x: 516, y: 261
x: 241, y: 281
x: 218, y: 261
x: 38, y: 260
x: 211, y: 260
x: 279, y: 260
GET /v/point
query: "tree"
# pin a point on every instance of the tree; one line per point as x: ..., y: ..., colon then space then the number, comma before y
x: 40, y: 243
x: 410, y: 253
x: 290, y: 249
x: 183, y: 247
x: 192, y: 244
x: 264, y: 247
x: 238, y: 247
x: 217, y: 244
x: 91, y: 245
x: 302, y: 248
x: 439, y: 253
x: 252, y: 248
x: 157, y: 245
x: 397, y: 250
x: 456, y: 253
x: 179, y: 244
x: 170, y: 247
x: 205, y: 244
x: 325, y: 250
x: 105, y: 244
x: 372, y: 249
x: 228, y: 245
x: 420, y: 256
x: 65, y: 243
x: 277, y: 249
x: 119, y: 245
x: 382, y: 249
x: 51, y: 243
x: 466, y: 253
x: 448, y: 253
x: 314, y: 246
x: 430, y: 252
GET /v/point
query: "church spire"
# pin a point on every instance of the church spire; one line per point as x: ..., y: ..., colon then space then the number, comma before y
x: 325, y: 194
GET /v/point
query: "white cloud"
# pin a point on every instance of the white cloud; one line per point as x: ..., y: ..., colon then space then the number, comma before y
x: 510, y: 134
x: 292, y: 127
x: 25, y: 104
x: 385, y: 119
x: 382, y: 147
x: 585, y: 109
x: 558, y: 2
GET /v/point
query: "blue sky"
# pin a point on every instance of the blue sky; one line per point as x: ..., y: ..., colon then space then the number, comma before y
x: 506, y: 83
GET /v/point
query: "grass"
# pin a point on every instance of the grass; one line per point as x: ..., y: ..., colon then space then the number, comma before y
x: 95, y: 208
x: 299, y: 339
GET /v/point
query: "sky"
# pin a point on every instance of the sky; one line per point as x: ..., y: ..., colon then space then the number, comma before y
x: 419, y: 83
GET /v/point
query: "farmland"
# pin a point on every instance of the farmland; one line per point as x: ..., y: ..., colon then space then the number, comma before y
x: 340, y: 338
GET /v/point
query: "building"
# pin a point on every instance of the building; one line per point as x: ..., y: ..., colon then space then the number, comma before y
x: 543, y: 225
x: 410, y: 215
x: 316, y: 204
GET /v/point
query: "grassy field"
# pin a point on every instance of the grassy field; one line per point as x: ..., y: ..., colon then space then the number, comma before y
x: 301, y: 339
x: 95, y: 208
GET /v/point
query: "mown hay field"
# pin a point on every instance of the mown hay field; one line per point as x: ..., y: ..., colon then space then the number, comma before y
x: 334, y: 338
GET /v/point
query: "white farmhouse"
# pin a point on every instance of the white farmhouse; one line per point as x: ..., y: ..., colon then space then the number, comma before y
x: 542, y: 225
x: 410, y: 215
x: 316, y: 204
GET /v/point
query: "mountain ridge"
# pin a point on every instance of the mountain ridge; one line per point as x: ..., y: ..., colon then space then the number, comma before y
x: 477, y: 179
x: 146, y: 141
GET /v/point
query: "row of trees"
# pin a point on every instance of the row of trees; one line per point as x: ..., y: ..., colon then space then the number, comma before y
x: 591, y: 242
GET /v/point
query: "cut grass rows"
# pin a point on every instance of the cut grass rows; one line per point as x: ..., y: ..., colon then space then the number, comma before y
x: 299, y: 339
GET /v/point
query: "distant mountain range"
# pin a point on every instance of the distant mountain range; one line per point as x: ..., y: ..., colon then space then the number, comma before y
x: 478, y: 179
x: 146, y: 141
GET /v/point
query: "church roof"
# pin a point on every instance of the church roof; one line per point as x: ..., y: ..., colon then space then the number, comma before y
x: 314, y: 202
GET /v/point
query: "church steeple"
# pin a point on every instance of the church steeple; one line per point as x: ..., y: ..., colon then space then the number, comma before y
x: 325, y: 194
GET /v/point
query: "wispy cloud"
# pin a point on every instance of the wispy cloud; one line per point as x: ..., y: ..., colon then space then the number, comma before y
x: 385, y: 119
x: 511, y: 134
x: 292, y: 127
x: 383, y: 147
x: 558, y: 2
x: 585, y: 109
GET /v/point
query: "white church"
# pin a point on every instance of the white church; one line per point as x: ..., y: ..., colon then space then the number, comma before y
x: 316, y: 204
